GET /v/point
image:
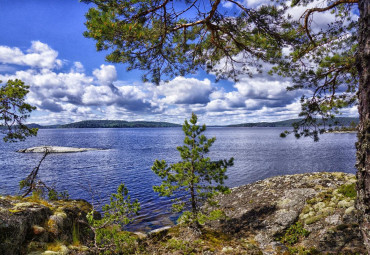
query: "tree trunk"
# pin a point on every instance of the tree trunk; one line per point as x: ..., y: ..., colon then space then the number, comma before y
x: 363, y: 144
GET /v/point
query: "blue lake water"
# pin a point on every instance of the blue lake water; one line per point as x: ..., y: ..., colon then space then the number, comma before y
x: 258, y: 152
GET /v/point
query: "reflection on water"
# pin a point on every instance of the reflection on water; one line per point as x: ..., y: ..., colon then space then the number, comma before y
x: 93, y: 175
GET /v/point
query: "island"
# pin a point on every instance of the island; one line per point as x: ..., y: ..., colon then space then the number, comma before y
x: 55, y: 149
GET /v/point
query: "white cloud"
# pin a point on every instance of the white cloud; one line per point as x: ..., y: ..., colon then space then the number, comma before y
x: 227, y: 4
x: 78, y: 67
x: 98, y: 95
x: 255, y: 3
x: 74, y: 95
x: 262, y: 88
x: 40, y: 55
x: 106, y: 75
x: 186, y: 91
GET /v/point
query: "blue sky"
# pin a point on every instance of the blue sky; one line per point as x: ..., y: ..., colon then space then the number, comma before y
x: 42, y: 44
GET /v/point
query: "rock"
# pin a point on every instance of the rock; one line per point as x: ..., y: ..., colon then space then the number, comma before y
x: 158, y: 230
x: 141, y: 235
x: 227, y: 249
x: 37, y: 230
x: 55, y: 149
x: 27, y: 226
x: 267, y: 208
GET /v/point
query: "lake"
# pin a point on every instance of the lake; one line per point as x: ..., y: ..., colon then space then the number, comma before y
x: 259, y: 153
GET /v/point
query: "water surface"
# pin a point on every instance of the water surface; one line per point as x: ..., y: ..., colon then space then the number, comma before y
x: 129, y: 154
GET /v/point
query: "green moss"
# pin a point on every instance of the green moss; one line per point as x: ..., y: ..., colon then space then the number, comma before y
x: 348, y: 190
x: 215, y: 238
x: 294, y: 233
x: 75, y: 234
x: 303, y: 250
x: 182, y: 246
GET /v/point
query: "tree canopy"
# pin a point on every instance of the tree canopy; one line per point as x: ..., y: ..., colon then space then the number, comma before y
x: 14, y: 111
x: 171, y: 38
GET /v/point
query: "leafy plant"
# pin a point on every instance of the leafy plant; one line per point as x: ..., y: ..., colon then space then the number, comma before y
x: 195, y: 176
x: 119, y: 212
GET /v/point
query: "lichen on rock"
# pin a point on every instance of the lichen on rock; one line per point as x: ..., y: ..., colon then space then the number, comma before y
x: 314, y: 200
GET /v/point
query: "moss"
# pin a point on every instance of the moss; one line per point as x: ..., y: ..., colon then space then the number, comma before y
x: 303, y: 250
x: 180, y: 245
x: 14, y: 211
x: 215, y: 238
x: 306, y: 210
x: 294, y: 233
x: 75, y: 234
x: 348, y: 190
x: 36, y: 246
x: 55, y: 246
x: 313, y: 219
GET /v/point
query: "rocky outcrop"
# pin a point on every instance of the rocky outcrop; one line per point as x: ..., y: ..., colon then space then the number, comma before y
x: 54, y: 149
x: 309, y: 213
x: 33, y: 226
x: 313, y: 211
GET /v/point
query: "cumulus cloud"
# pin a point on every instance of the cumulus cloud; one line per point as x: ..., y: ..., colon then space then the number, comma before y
x: 106, y: 75
x: 74, y: 95
x: 54, y: 91
x: 186, y: 91
x: 39, y: 55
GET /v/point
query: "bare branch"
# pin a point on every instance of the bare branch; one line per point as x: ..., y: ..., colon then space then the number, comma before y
x: 306, y: 15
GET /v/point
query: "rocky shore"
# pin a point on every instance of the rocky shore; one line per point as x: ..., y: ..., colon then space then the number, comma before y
x: 309, y: 213
x: 277, y: 209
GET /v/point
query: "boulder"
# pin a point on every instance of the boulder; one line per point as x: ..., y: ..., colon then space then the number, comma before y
x: 27, y: 226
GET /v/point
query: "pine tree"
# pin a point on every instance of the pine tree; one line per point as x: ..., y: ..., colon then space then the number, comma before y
x: 14, y: 111
x: 195, y: 175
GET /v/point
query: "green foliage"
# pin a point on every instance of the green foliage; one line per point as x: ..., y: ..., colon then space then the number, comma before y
x: 294, y: 233
x: 196, y: 175
x: 119, y: 212
x: 169, y: 41
x: 322, y: 62
x: 112, y: 240
x: 53, y: 194
x: 166, y: 41
x: 348, y: 190
x: 14, y: 111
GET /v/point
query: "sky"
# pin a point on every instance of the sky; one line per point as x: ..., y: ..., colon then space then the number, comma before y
x: 42, y: 43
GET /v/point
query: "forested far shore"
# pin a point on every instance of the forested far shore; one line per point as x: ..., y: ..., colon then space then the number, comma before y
x: 340, y: 121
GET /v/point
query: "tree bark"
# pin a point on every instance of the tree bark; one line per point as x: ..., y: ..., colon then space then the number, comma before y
x: 363, y: 144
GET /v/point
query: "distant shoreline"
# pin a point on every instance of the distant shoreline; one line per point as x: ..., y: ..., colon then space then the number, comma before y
x: 340, y: 121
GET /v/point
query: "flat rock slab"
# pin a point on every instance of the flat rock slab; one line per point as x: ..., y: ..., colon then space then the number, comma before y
x: 55, y: 149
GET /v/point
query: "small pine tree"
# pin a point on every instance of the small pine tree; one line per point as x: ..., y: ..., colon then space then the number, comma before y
x: 196, y: 175
x: 109, y: 238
